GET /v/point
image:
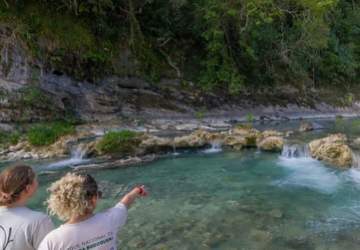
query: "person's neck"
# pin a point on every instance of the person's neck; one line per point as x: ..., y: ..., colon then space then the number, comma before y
x: 79, y: 218
x: 18, y: 203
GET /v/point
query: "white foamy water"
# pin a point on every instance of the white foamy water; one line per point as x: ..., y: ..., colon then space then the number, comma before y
x: 309, y: 173
x: 352, y: 175
x: 215, y: 148
x: 175, y: 153
x: 295, y: 151
x: 77, y: 158
x: 356, y: 159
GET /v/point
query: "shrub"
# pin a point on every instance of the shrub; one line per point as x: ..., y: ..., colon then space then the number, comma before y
x: 46, y: 134
x: 14, y: 138
x: 250, y: 118
x: 9, y: 138
x: 122, y: 142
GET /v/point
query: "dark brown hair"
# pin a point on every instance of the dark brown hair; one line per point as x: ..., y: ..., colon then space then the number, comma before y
x: 13, y: 180
x: 90, y: 186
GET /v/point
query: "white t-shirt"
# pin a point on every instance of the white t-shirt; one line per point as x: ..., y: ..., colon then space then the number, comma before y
x: 22, y: 228
x: 96, y: 233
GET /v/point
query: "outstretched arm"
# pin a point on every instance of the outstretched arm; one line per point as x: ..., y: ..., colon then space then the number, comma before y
x: 130, y: 197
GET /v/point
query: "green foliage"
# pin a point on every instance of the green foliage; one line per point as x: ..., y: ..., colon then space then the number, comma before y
x: 123, y: 143
x: 228, y: 45
x: 219, y: 65
x: 11, y: 138
x: 46, y: 134
x: 250, y: 118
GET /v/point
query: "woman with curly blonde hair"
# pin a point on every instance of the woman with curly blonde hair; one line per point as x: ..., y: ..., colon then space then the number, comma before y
x: 73, y: 199
x: 20, y: 227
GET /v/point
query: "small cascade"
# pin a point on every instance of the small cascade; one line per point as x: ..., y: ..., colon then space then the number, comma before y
x: 78, y: 153
x: 295, y: 151
x: 356, y: 159
x: 215, y: 148
x: 174, y: 153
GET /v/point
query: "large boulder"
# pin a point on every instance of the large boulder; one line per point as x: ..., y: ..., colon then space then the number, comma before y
x: 198, y: 138
x: 152, y: 143
x: 193, y: 140
x: 249, y: 134
x: 268, y: 133
x: 235, y: 141
x: 271, y: 143
x: 332, y: 149
x: 270, y: 140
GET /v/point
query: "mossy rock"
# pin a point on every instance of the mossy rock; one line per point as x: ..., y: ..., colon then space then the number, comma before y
x: 121, y: 143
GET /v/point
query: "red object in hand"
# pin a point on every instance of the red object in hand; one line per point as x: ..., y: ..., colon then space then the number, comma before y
x: 142, y: 191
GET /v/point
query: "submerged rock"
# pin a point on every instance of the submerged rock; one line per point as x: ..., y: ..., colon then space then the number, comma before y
x: 306, y: 126
x: 289, y: 133
x: 332, y: 149
x: 276, y: 213
x: 260, y: 235
x: 118, y: 163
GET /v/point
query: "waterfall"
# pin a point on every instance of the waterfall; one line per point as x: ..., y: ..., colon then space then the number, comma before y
x: 78, y: 153
x: 174, y: 153
x: 215, y: 148
x: 356, y: 159
x: 295, y: 151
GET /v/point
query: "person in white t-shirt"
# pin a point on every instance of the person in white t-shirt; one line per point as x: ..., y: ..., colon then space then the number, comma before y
x: 73, y: 199
x: 20, y: 227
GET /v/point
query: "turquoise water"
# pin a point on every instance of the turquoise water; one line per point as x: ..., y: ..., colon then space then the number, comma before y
x: 234, y: 200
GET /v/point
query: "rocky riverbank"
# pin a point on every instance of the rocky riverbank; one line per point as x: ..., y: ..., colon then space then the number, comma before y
x: 118, y: 148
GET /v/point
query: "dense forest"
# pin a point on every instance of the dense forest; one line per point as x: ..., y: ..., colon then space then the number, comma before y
x: 228, y: 44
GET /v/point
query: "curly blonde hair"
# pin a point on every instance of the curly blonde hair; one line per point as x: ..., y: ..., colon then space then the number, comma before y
x: 71, y: 196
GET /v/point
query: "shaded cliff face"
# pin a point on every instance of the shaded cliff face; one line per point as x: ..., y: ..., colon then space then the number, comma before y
x: 19, y: 102
x: 31, y: 91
